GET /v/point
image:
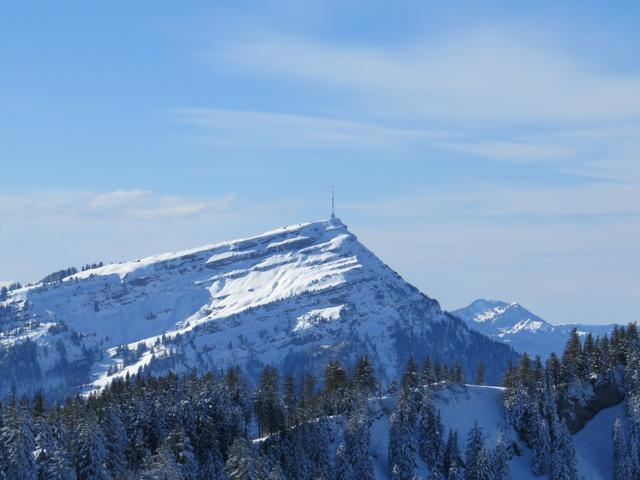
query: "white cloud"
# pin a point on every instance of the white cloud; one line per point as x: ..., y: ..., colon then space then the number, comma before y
x: 118, y: 198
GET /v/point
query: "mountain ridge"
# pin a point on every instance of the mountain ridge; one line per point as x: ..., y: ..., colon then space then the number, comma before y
x: 295, y: 296
x: 515, y: 325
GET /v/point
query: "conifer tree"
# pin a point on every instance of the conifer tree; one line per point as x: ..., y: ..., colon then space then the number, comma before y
x: 182, y: 449
x: 477, y: 462
x: 318, y: 442
x: 91, y: 459
x: 343, y: 465
x: 410, y: 378
x: 243, y: 463
x: 454, y: 473
x: 16, y: 445
x: 268, y: 404
x: 162, y: 466
x: 51, y: 460
x: 290, y: 403
x: 363, y: 378
x: 277, y: 473
x: 480, y: 374
x: 357, y: 444
x: 452, y: 456
x: 116, y: 442
x: 500, y: 460
x: 563, y: 459
x: 572, y: 365
x: 621, y: 469
x: 540, y: 440
x: 430, y: 435
x: 336, y: 385
x: 458, y: 374
x: 402, y: 447
x: 428, y: 377
x: 297, y: 465
x: 435, y: 475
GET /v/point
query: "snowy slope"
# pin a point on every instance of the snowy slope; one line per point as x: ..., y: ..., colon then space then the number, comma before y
x: 294, y: 297
x: 461, y: 406
x: 525, y: 331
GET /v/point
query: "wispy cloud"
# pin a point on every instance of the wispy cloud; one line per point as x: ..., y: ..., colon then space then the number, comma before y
x: 514, y: 150
x: 117, y: 198
x: 118, y: 204
x: 277, y: 130
x: 143, y: 205
x: 485, y: 75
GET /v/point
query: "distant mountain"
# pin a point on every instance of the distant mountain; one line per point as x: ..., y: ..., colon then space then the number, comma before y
x: 523, y: 330
x: 293, y: 297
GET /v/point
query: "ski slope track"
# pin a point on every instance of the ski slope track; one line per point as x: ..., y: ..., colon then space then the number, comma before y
x: 293, y: 297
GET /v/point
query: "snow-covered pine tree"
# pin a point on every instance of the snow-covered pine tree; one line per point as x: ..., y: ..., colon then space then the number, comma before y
x: 290, y: 403
x: 298, y: 464
x: 243, y: 462
x: 268, y: 404
x: 116, y: 442
x: 633, y: 459
x: 540, y: 443
x: 91, y: 448
x: 357, y: 444
x: 212, y: 468
x: 572, y: 360
x: 430, y: 435
x: 16, y: 445
x: 161, y: 466
x: 454, y: 473
x: 51, y: 460
x: 343, y: 465
x: 402, y: 445
x: 621, y: 469
x: 500, y: 460
x: 516, y: 397
x: 452, y: 456
x: 179, y: 442
x: 410, y: 378
x: 477, y: 462
x: 563, y: 458
x: 435, y: 475
x: 428, y: 378
x: 336, y: 386
x: 633, y: 386
x: 409, y: 388
x: 318, y: 446
x: 364, y: 380
x: 277, y: 473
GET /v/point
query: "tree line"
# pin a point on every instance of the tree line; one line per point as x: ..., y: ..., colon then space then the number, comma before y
x: 545, y: 401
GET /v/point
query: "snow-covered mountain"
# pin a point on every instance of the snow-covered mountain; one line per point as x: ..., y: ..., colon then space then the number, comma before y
x: 525, y: 331
x: 293, y: 297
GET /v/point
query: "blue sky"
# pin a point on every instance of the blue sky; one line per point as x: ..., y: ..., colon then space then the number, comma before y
x: 482, y: 149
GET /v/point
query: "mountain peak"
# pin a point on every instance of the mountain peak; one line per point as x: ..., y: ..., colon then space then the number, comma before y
x: 523, y: 330
x: 294, y: 296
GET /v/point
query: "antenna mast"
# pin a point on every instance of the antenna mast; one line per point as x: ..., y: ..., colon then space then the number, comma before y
x: 333, y: 203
